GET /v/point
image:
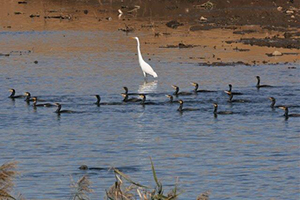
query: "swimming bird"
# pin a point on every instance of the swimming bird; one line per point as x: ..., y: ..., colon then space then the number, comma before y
x: 258, y: 83
x: 28, y: 97
x: 58, y: 110
x: 143, y: 96
x: 286, y: 112
x: 180, y: 109
x: 13, y: 96
x: 170, y: 98
x: 40, y: 105
x: 126, y: 99
x: 273, y: 100
x: 220, y: 112
x: 146, y: 68
x: 126, y: 91
x: 230, y: 91
x: 236, y: 100
x: 197, y: 86
x: 176, y: 93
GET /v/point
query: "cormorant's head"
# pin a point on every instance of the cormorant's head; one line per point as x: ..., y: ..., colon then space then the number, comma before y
x: 57, y: 104
x: 27, y: 94
x: 194, y: 84
x: 142, y: 96
x: 272, y: 98
x: 215, y: 105
x: 83, y: 167
x: 283, y: 107
x: 34, y: 98
x: 230, y: 86
x: 125, y: 88
x: 11, y: 90
x: 170, y: 97
x: 180, y: 101
x: 258, y: 78
x: 175, y: 87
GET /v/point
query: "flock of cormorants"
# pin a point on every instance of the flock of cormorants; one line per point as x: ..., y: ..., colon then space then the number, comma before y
x: 177, y: 93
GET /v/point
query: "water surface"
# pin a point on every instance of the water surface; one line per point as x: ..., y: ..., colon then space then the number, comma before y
x: 252, y: 154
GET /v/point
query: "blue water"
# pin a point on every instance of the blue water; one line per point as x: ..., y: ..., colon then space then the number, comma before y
x: 251, y: 154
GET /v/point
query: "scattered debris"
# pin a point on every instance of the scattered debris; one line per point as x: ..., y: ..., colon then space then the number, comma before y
x: 69, y: 17
x: 22, y: 2
x: 18, y: 13
x: 279, y: 8
x: 174, y: 24
x: 208, y: 6
x: 288, y: 43
x: 244, y: 32
x: 237, y: 49
x: 4, y: 54
x: 35, y: 62
x: 180, y: 46
x: 127, y: 29
x: 277, y: 53
x: 218, y: 64
x: 34, y: 15
x: 86, y: 12
x: 202, y: 27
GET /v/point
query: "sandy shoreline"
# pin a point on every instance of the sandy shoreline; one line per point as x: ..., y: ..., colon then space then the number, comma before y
x: 231, y: 33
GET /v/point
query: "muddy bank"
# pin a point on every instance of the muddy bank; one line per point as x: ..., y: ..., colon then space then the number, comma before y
x: 220, y: 31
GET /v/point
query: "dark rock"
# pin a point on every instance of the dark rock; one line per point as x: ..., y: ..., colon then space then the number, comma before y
x: 174, y: 24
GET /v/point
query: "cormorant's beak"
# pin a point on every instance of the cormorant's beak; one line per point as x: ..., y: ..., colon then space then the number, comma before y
x: 57, y: 104
x: 271, y: 98
x: 174, y: 86
x: 281, y: 107
x: 194, y: 84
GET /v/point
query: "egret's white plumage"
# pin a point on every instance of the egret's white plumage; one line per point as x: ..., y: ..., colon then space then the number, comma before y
x: 146, y: 68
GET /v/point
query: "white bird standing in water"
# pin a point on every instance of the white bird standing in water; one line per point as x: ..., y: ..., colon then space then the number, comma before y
x: 146, y: 68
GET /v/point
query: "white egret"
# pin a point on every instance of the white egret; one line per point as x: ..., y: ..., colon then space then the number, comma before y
x: 146, y: 68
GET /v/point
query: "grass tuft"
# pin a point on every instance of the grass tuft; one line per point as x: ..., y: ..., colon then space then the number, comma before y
x: 81, y: 189
x: 7, y: 175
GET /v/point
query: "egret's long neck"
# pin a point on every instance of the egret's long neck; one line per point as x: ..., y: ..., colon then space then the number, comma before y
x: 139, y: 49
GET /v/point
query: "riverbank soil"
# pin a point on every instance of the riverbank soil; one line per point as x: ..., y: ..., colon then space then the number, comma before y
x: 230, y: 32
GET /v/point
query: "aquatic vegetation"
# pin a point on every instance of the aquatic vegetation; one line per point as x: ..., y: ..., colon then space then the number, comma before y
x: 121, y: 189
x: 81, y: 189
x: 7, y: 175
x: 124, y: 187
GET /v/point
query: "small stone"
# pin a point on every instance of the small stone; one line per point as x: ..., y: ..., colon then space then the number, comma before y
x: 276, y: 53
x: 279, y: 8
x: 35, y: 62
x: 203, y: 19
